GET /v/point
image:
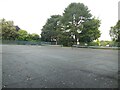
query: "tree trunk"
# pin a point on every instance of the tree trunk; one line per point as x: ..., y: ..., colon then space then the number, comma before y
x: 56, y: 43
x: 75, y: 39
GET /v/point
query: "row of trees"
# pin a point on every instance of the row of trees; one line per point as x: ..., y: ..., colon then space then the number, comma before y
x: 8, y: 31
x: 76, y: 25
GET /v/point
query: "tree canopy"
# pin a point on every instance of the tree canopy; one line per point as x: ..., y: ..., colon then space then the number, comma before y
x: 115, y: 32
x: 90, y: 31
x: 8, y: 30
x: 51, y: 30
x: 34, y: 37
x: 75, y: 25
x: 22, y: 35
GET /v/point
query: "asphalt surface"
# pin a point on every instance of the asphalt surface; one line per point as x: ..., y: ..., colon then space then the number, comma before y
x: 58, y: 67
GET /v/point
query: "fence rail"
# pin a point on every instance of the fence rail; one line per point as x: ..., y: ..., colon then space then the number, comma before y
x: 97, y: 47
x: 15, y: 42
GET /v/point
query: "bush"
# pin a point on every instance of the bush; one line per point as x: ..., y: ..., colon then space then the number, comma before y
x: 93, y: 44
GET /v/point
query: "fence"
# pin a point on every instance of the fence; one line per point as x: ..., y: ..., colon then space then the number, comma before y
x: 97, y: 47
x: 15, y: 42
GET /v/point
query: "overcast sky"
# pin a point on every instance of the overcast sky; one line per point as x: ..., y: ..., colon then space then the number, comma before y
x: 31, y: 15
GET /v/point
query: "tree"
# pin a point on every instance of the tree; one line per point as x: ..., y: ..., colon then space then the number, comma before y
x: 35, y: 37
x: 76, y: 25
x: 7, y: 30
x: 90, y: 31
x: 73, y: 17
x: 115, y: 32
x: 104, y: 43
x: 1, y: 30
x: 80, y: 24
x: 23, y: 35
x: 51, y: 29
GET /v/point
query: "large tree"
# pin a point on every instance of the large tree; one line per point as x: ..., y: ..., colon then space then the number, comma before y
x: 75, y: 25
x: 78, y: 20
x: 115, y: 32
x: 51, y: 29
x: 8, y: 30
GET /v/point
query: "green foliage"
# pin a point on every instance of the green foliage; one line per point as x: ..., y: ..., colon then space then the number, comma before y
x: 115, y: 32
x: 51, y: 30
x: 110, y: 43
x: 8, y: 30
x: 90, y: 31
x: 93, y: 44
x: 24, y: 36
x: 76, y: 25
x: 0, y: 31
x: 65, y: 40
x: 35, y: 37
x: 74, y: 11
x: 114, y: 44
x: 73, y: 17
x: 104, y: 43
